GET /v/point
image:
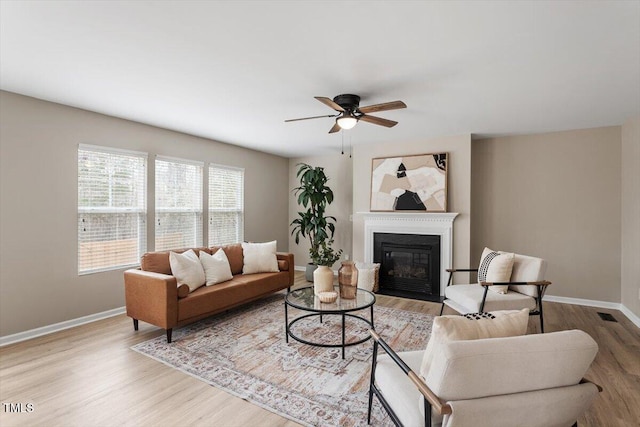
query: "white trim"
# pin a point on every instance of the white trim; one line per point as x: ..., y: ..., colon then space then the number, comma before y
x: 112, y: 150
x: 56, y: 327
x: 169, y: 159
x: 630, y: 315
x: 437, y: 224
x: 304, y: 268
x: 594, y: 303
x: 580, y: 301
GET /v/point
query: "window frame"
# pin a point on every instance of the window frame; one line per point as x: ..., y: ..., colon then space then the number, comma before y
x: 142, y: 212
x: 240, y: 231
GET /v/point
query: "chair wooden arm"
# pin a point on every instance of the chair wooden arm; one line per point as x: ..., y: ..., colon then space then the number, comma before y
x: 454, y: 270
x: 538, y: 283
x: 436, y: 404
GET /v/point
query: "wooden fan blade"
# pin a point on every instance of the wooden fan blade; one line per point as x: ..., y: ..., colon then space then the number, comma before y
x: 378, y: 121
x: 309, y: 118
x: 335, y: 128
x: 394, y: 105
x: 329, y: 103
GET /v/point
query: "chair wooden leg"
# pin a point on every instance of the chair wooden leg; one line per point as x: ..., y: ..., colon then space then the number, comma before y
x: 169, y: 331
x: 135, y: 324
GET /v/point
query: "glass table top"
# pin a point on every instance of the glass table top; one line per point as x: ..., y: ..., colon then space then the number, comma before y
x: 305, y: 299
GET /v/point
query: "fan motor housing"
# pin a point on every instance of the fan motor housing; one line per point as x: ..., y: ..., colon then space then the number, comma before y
x: 347, y: 101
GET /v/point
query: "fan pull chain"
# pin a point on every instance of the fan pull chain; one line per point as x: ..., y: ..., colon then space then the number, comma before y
x: 350, y: 146
x: 342, y: 133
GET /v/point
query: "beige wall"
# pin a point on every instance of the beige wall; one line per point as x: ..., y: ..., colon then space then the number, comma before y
x: 556, y: 196
x: 38, y: 205
x: 338, y: 169
x: 631, y: 215
x: 458, y: 183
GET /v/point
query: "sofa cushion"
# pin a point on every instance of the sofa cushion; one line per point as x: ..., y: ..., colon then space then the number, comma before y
x: 240, y: 289
x: 527, y: 269
x: 187, y: 269
x: 399, y: 391
x: 495, y: 267
x: 158, y: 262
x: 481, y: 325
x: 464, y: 369
x: 216, y: 267
x: 234, y: 255
x: 467, y: 299
x: 260, y: 257
x: 283, y: 265
x: 183, y: 290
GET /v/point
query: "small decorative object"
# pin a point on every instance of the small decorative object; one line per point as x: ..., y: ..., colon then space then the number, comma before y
x: 367, y: 275
x: 322, y: 279
x: 348, y: 280
x: 410, y: 183
x: 328, y: 297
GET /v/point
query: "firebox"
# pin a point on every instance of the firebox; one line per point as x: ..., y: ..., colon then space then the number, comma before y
x: 409, y: 265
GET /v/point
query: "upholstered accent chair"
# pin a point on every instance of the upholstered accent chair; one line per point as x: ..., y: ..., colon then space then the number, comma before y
x: 523, y: 286
x: 528, y: 380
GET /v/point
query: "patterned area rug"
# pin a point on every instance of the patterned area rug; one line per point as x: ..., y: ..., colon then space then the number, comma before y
x: 244, y: 352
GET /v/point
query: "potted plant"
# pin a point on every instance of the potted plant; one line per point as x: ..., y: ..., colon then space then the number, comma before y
x: 314, y: 195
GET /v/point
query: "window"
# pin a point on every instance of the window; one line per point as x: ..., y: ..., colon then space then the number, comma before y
x: 178, y: 204
x: 226, y: 205
x: 111, y: 208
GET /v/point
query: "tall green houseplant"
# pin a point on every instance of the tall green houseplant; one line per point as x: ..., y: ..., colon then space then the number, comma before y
x: 314, y: 195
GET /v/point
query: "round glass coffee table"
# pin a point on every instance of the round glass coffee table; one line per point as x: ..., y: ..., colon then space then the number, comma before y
x: 304, y: 299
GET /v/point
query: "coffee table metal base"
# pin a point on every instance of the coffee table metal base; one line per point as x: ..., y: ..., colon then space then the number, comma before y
x: 343, y: 315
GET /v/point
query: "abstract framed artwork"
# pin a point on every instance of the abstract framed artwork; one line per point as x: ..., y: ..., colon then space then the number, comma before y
x: 409, y: 183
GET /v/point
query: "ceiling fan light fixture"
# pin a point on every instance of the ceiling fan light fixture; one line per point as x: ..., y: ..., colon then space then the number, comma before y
x: 346, y: 122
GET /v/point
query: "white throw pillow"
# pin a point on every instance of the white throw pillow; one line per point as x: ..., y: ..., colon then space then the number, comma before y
x: 216, y: 267
x: 367, y: 275
x: 496, y: 267
x: 495, y: 324
x: 259, y: 257
x: 187, y: 269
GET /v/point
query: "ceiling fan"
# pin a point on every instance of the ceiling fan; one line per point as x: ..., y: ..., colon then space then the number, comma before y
x: 350, y: 112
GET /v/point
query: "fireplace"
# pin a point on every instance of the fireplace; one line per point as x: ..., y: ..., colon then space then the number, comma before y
x: 409, y: 265
x: 438, y: 225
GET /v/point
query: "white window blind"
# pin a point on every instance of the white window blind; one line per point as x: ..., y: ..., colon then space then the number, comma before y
x: 178, y: 204
x: 226, y: 205
x: 111, y: 208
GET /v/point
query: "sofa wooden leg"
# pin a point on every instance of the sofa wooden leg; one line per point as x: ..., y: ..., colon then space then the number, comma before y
x: 169, y: 331
x: 135, y: 324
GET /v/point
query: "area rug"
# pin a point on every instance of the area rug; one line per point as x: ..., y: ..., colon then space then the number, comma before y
x: 244, y: 352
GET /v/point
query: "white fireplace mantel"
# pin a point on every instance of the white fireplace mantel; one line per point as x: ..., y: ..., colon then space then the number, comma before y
x: 436, y: 224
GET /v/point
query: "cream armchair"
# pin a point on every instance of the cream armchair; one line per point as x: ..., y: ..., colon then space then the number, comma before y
x: 526, y: 288
x: 530, y: 380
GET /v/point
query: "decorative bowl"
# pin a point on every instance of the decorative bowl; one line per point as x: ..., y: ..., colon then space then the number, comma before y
x: 327, y: 297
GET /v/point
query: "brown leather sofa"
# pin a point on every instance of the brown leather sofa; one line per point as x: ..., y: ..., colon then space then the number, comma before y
x: 152, y: 294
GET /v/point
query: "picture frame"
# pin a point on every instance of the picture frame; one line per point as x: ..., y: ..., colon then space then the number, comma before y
x: 415, y: 183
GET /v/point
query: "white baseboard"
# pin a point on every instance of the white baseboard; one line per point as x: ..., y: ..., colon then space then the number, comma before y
x: 304, y: 268
x: 45, y: 330
x: 630, y: 315
x: 594, y: 303
x: 33, y: 333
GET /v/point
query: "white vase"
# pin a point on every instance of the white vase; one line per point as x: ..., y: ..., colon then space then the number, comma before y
x: 322, y: 279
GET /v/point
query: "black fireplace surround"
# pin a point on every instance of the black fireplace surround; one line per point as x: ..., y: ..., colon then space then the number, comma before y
x: 409, y: 265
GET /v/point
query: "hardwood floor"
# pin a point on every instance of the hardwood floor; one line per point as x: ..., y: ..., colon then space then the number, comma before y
x: 88, y: 376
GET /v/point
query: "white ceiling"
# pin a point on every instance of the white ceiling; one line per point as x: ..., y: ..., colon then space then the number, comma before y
x: 234, y: 71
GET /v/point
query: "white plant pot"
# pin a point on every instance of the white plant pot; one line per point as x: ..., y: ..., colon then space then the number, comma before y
x: 322, y: 279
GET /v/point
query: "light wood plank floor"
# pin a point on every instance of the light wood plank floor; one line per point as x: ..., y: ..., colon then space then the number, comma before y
x: 88, y: 376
